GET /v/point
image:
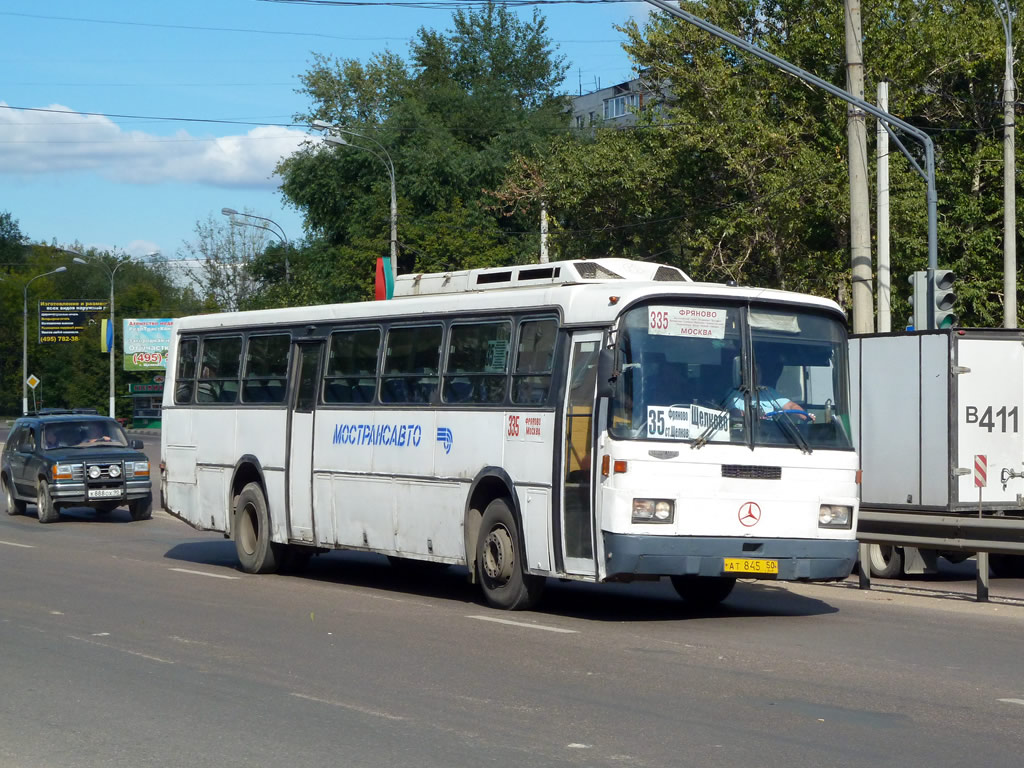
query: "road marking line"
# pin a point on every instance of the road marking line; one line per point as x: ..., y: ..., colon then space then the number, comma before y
x: 204, y: 573
x: 525, y: 624
x: 121, y: 650
x: 1013, y: 701
x: 14, y: 544
x: 353, y: 707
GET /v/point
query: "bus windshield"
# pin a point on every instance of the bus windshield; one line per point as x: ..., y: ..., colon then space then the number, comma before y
x: 725, y: 373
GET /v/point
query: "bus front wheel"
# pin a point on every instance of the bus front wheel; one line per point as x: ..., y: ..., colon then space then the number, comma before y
x: 256, y: 552
x: 703, y: 591
x: 499, y: 561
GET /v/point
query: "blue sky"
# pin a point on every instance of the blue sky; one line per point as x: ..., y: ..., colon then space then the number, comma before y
x: 140, y: 185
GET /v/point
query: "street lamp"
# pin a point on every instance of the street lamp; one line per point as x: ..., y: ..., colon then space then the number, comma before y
x: 334, y: 137
x: 231, y: 213
x: 24, y: 341
x: 111, y: 272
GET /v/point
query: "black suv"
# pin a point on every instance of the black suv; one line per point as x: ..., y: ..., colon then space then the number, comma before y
x: 74, y: 459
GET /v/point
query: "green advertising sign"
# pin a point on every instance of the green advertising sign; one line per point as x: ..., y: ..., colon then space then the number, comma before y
x: 146, y: 342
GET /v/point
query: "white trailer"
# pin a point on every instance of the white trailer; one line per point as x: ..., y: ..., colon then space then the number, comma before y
x: 924, y: 406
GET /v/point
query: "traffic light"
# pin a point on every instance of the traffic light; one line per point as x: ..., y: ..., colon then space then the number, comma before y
x: 919, y: 300
x: 943, y: 298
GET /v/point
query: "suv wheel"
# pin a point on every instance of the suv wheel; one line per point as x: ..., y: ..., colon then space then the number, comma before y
x: 141, y: 509
x: 13, y: 505
x: 48, y: 512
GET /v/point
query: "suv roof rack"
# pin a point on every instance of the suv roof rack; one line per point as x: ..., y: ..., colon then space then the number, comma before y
x: 65, y: 411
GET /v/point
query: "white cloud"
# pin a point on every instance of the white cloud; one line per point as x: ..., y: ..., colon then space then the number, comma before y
x: 61, y: 141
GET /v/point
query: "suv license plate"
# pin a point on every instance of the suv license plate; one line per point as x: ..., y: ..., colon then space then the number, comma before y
x: 105, y: 493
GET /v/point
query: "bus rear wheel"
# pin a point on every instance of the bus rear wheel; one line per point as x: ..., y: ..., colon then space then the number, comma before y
x: 256, y: 552
x: 500, y: 562
x: 703, y: 591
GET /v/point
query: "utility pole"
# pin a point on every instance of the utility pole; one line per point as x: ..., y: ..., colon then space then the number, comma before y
x: 1009, y: 172
x: 860, y: 213
x: 543, y: 232
x: 882, y: 228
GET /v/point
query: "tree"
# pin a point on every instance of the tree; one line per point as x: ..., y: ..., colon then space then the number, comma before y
x: 741, y: 173
x: 217, y: 262
x: 450, y: 119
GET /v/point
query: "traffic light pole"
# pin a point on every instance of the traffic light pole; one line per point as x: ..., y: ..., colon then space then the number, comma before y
x: 887, y: 120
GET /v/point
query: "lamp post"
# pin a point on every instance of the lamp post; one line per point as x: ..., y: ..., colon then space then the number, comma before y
x: 334, y: 137
x: 279, y: 230
x: 110, y: 273
x: 24, y: 341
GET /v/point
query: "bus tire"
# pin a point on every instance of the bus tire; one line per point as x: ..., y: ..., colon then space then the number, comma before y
x: 252, y: 529
x: 886, y: 561
x: 500, y: 563
x: 703, y: 591
x: 47, y: 510
x: 13, y: 505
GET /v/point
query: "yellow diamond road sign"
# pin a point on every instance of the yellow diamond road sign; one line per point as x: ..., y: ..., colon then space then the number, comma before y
x: 32, y: 381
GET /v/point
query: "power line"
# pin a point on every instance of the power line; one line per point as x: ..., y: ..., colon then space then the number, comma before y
x: 151, y: 117
x: 192, y: 27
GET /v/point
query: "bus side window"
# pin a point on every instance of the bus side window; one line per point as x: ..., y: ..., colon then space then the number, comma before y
x: 185, y: 375
x: 535, y: 356
x: 218, y: 370
x: 351, y: 375
x: 411, y: 363
x: 477, y: 367
x: 266, y: 369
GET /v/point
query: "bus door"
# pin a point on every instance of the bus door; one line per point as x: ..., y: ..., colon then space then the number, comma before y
x: 577, y: 517
x: 300, y: 440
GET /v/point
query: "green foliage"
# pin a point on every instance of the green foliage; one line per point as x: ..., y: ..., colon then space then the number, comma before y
x: 741, y: 173
x: 451, y: 119
x: 77, y: 374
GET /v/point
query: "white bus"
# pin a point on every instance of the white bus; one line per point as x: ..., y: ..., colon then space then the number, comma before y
x: 603, y: 420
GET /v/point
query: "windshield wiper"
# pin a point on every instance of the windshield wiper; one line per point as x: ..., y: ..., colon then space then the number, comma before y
x: 702, y: 440
x: 788, y: 425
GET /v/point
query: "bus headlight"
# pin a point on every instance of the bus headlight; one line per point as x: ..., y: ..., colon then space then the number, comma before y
x: 653, y: 510
x: 835, y: 516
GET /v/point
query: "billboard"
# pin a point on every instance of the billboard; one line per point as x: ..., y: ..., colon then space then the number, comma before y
x: 146, y: 342
x: 61, y: 322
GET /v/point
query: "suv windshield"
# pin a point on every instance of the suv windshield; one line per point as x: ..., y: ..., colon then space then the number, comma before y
x: 83, y: 434
x: 728, y: 373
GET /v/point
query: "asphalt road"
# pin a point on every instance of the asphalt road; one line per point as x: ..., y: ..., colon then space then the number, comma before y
x: 134, y: 644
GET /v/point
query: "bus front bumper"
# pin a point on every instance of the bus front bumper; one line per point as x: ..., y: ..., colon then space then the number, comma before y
x: 628, y: 554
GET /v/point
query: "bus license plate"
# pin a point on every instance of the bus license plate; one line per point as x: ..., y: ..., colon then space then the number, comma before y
x: 105, y: 493
x: 746, y: 565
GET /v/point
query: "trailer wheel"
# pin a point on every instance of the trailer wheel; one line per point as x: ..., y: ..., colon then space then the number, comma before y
x: 256, y: 552
x: 886, y: 561
x: 703, y: 591
x: 1007, y: 566
x: 500, y: 563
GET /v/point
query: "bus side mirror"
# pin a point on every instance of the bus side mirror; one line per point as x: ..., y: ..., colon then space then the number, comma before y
x: 606, y: 372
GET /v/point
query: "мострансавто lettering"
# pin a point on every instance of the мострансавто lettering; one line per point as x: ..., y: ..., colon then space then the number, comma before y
x: 401, y: 435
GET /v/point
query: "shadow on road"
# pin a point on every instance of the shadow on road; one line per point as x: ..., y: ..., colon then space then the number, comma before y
x: 639, y: 601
